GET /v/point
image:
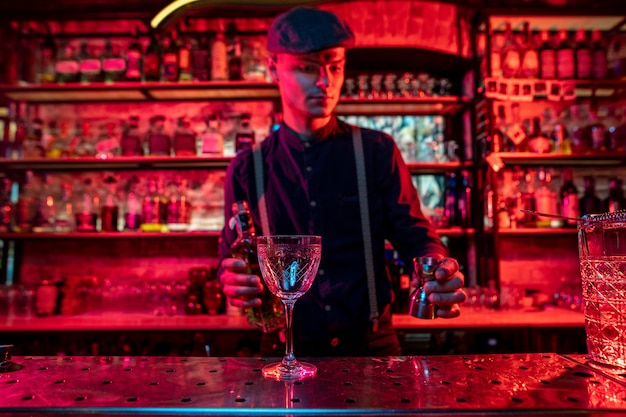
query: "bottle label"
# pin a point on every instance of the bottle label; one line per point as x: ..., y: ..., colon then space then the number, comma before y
x: 184, y: 142
x: 212, y: 144
x: 548, y: 64
x: 530, y: 64
x: 131, y: 146
x: 106, y: 145
x: 184, y: 59
x: 496, y: 66
x: 114, y: 65
x: 511, y: 64
x: 569, y: 206
x: 151, y: 66
x: 67, y: 67
x: 565, y: 63
x: 170, y: 67
x: 159, y: 144
x: 90, y: 66
x: 219, y: 63
x: 583, y: 63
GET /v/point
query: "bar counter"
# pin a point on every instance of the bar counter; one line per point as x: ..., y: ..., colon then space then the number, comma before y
x: 512, y: 385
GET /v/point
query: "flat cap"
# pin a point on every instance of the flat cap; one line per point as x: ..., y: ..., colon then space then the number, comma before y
x: 303, y: 30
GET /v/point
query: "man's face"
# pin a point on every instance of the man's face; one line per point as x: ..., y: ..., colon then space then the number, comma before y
x: 310, y: 84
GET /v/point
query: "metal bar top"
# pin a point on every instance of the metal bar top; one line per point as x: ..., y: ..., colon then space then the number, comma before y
x: 519, y: 384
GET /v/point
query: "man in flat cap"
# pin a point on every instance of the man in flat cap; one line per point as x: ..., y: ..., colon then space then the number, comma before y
x: 312, y: 184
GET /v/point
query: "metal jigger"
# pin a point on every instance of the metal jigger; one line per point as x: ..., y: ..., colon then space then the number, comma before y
x: 419, y: 306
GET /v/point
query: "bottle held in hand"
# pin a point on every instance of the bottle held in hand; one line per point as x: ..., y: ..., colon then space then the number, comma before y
x: 269, y: 316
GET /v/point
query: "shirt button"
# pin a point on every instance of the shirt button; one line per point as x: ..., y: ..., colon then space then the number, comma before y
x: 307, y: 144
x: 327, y: 307
x: 320, y: 272
x: 309, y: 169
x: 334, y: 342
x: 313, y: 203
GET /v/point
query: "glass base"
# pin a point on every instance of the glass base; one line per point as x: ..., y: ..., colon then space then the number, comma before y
x: 281, y: 372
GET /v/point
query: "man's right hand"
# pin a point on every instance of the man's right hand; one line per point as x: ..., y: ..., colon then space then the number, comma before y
x: 239, y: 286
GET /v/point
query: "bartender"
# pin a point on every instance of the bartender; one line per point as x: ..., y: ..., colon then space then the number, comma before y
x: 311, y: 186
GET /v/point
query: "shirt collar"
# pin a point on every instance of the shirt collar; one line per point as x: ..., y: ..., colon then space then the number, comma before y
x: 288, y: 135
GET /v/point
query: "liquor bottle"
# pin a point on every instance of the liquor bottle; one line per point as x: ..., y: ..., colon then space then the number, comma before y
x: 511, y: 54
x: 178, y: 207
x: 219, y: 59
x: 235, y: 64
x: 269, y: 316
x: 450, y: 212
x: 596, y: 131
x: 498, y: 138
x: 45, y: 66
x: 107, y: 143
x: 84, y: 143
x: 583, y: 55
x: 565, y: 57
x: 200, y: 59
x: 589, y: 203
x: 254, y: 61
x: 86, y: 211
x: 110, y: 208
x: 132, y: 215
x: 113, y: 64
x: 617, y: 131
x: 59, y: 143
x: 184, y: 138
x: 516, y: 131
x: 538, y: 142
x: 568, y: 195
x: 170, y: 59
x: 244, y: 139
x: 66, y: 67
x: 32, y: 147
x: 131, y: 142
x: 547, y: 57
x: 153, y: 209
x: 89, y: 63
x: 26, y: 54
x: 530, y: 56
x: 577, y: 129
x: 400, y: 280
x: 157, y: 141
x: 134, y: 59
x: 545, y: 198
x: 598, y: 56
x: 465, y: 200
x: 184, y: 60
x: 495, y: 54
x: 65, y: 221
x: 152, y: 61
x: 211, y: 140
x: 7, y: 211
x: 560, y: 139
x: 615, y: 200
x: 27, y: 203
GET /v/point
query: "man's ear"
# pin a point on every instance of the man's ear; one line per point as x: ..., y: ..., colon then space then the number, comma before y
x: 271, y: 67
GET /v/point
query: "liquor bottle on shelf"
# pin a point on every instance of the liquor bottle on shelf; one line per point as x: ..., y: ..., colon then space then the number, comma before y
x: 200, y: 60
x: 113, y: 63
x: 184, y: 139
x: 269, y: 316
x: 254, y: 61
x: 26, y: 55
x: 27, y: 203
x: 244, y: 139
x: 45, y: 212
x: 66, y: 66
x: 65, y: 221
x: 45, y: 73
x: 511, y: 54
x: 154, y: 209
x: 565, y: 57
x: 615, y: 200
x: 598, y: 56
x: 108, y: 143
x: 235, y: 64
x: 109, y: 213
x: 131, y: 142
x: 450, y: 201
x: 538, y: 141
x: 32, y: 146
x: 134, y: 58
x: 157, y: 141
x: 498, y: 138
x: 568, y: 195
x: 184, y: 59
x: 89, y: 63
x: 560, y: 139
x: 7, y: 211
x: 530, y: 56
x: 545, y: 198
x: 132, y: 215
x: 589, y: 203
x: 219, y: 58
x: 583, y: 55
x: 178, y: 207
x: 465, y: 200
x: 547, y: 57
x: 527, y: 199
x: 577, y: 128
x: 596, y: 132
x: 211, y: 141
x: 86, y: 209
x: 495, y: 54
x: 59, y: 144
x: 617, y: 131
x: 516, y: 131
x: 152, y: 61
x: 170, y: 59
x: 83, y: 143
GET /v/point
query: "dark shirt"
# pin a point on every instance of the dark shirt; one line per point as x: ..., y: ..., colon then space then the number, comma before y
x: 311, y: 188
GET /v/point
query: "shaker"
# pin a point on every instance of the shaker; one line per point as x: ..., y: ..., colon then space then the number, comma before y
x: 419, y: 306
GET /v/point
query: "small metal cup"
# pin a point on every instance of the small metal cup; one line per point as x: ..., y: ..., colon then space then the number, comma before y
x: 419, y: 305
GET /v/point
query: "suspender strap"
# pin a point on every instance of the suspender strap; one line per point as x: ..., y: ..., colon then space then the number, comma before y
x: 365, y: 224
x: 260, y: 188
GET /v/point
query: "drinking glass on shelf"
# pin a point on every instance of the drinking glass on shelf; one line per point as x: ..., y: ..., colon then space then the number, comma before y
x: 289, y: 265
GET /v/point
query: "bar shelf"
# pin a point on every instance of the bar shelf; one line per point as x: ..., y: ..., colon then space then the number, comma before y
x: 554, y: 159
x: 537, y: 231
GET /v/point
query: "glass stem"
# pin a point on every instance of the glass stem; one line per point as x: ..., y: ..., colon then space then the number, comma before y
x: 289, y: 359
